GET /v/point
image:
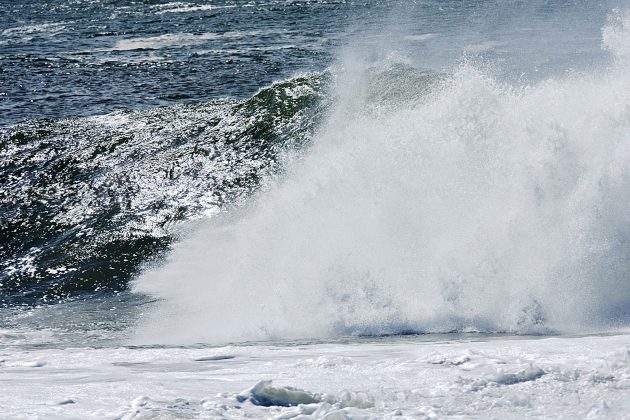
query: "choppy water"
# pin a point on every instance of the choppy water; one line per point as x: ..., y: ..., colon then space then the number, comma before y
x: 374, y: 167
x: 79, y: 58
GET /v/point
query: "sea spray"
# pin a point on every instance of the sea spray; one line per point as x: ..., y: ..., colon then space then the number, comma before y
x: 475, y: 205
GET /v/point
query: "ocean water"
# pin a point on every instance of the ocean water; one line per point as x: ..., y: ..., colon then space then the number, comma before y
x: 415, y: 183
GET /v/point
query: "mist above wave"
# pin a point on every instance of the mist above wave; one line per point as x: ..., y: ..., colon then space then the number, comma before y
x: 471, y: 205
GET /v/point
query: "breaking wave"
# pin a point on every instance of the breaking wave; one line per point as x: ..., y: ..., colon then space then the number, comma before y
x: 424, y: 204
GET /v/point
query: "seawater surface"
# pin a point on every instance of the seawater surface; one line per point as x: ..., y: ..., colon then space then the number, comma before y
x: 353, y: 209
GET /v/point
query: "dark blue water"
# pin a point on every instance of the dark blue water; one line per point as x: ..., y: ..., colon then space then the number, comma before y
x: 76, y: 58
x: 121, y: 119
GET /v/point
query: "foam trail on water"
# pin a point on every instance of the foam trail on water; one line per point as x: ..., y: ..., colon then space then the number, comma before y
x: 478, y: 206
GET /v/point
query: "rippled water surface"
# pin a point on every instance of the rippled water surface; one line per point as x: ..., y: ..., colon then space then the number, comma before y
x: 80, y: 57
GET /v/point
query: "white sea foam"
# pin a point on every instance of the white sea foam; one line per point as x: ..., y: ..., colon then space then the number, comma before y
x: 420, y: 38
x: 576, y: 377
x: 481, y: 207
x: 31, y: 29
x: 176, y: 40
x: 187, y: 8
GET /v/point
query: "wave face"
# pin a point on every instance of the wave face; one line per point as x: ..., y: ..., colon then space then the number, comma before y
x: 85, y: 202
x: 425, y: 204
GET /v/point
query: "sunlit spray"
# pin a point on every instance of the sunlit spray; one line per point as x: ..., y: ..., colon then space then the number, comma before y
x: 459, y: 203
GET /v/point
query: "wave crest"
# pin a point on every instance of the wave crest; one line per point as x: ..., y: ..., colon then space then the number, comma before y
x: 475, y: 206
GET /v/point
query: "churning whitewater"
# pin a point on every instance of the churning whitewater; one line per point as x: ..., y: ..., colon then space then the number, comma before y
x: 434, y: 204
